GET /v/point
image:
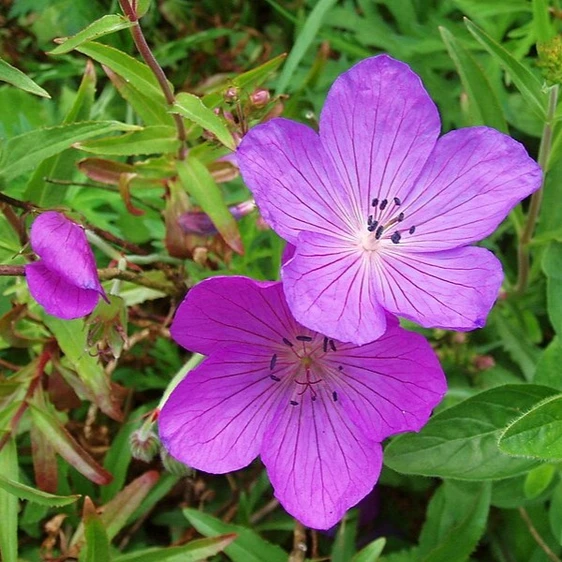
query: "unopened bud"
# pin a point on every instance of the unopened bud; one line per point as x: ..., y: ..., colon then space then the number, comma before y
x: 144, y: 445
x: 174, y: 466
x: 483, y: 362
x: 231, y: 94
x: 260, y: 97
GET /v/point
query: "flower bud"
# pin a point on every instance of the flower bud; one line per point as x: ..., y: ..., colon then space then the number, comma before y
x: 144, y: 445
x: 198, y: 222
x: 174, y: 466
x: 260, y: 97
x: 231, y: 95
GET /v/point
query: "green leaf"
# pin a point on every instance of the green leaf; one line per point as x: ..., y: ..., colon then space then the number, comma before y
x: 544, y: 30
x: 538, y: 480
x: 105, y: 25
x: 461, y: 442
x: 537, y: 433
x: 31, y: 494
x: 552, y: 266
x: 344, y: 544
x: 9, y: 504
x: 525, y: 81
x: 248, y: 546
x: 96, y: 547
x: 548, y: 366
x: 25, y: 152
x: 371, y: 552
x: 137, y: 73
x: 555, y: 513
x: 199, y: 183
x: 17, y: 78
x: 191, y: 107
x: 150, y: 140
x: 456, y: 520
x: 483, y: 99
x: 304, y: 40
x: 191, y: 552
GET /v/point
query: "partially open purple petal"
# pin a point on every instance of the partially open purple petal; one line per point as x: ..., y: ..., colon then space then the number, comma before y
x: 64, y: 249
x: 216, y: 417
x: 294, y: 185
x: 329, y: 289
x: 472, y: 180
x: 319, y: 463
x: 233, y: 311
x: 390, y: 385
x: 379, y: 126
x: 453, y: 289
x: 56, y: 295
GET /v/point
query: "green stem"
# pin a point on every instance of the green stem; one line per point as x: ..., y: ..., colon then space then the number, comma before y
x: 102, y: 245
x: 190, y: 364
x: 536, y: 199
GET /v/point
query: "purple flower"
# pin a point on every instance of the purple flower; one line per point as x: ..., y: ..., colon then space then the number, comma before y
x: 314, y: 409
x: 65, y: 280
x: 380, y: 210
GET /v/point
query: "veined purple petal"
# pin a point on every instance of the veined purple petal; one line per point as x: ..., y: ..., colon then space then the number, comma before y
x: 379, y: 126
x: 452, y: 289
x: 293, y: 182
x: 232, y: 311
x: 390, y: 385
x: 62, y: 246
x: 329, y: 289
x: 319, y: 463
x: 474, y: 177
x: 216, y: 417
x: 56, y: 295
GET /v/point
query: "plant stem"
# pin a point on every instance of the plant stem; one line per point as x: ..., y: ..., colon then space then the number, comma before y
x: 146, y: 54
x: 110, y: 273
x: 536, y: 198
x: 535, y: 534
x: 13, y: 270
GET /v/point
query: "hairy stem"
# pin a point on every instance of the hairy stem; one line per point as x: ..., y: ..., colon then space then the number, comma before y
x: 536, y: 199
x: 146, y: 54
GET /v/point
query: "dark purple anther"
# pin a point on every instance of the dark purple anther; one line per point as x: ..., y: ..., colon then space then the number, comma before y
x: 383, y: 204
x: 287, y: 342
x: 412, y: 230
x: 396, y: 237
x: 273, y: 361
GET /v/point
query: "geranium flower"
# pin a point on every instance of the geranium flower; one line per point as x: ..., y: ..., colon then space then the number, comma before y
x: 314, y: 409
x: 65, y: 280
x: 380, y: 210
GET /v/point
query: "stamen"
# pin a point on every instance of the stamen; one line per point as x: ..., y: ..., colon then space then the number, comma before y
x: 273, y: 361
x: 412, y: 230
x: 294, y: 403
x: 304, y: 338
x: 332, y: 345
x: 374, y: 202
x: 383, y: 204
x: 401, y: 217
x: 396, y: 237
x: 274, y: 378
x: 335, y: 396
x: 325, y: 345
x: 370, y: 220
x: 397, y: 201
x: 373, y: 226
x: 379, y: 232
x: 287, y: 342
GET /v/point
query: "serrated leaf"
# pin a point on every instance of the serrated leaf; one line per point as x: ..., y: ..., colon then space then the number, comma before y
x: 199, y: 183
x: 103, y: 26
x: 24, y: 152
x: 17, y: 78
x: 194, y: 551
x: 31, y: 494
x: 461, y: 442
x: 248, y: 546
x: 525, y: 81
x: 537, y: 433
x: 192, y: 107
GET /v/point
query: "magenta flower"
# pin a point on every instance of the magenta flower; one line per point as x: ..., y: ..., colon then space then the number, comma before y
x: 314, y: 409
x: 65, y: 280
x: 380, y: 210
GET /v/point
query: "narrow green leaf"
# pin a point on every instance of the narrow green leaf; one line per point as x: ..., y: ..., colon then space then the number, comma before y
x: 552, y: 266
x: 67, y: 447
x: 31, y: 494
x: 199, y: 183
x: 17, y: 78
x: 525, y: 81
x: 25, y: 152
x: 371, y: 552
x: 461, y: 442
x: 150, y: 140
x: 483, y: 99
x: 192, y: 107
x: 555, y: 513
x: 96, y: 547
x: 537, y: 433
x: 544, y: 30
x: 9, y: 504
x: 194, y: 551
x: 346, y: 538
x: 248, y: 546
x: 304, y: 40
x: 103, y: 26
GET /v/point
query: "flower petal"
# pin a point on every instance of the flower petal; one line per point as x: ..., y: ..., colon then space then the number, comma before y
x: 56, y: 295
x: 215, y: 419
x: 379, y: 126
x: 472, y: 180
x: 390, y: 385
x: 318, y: 462
x: 292, y: 180
x: 64, y: 249
x: 328, y: 288
x: 234, y: 311
x: 453, y: 289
